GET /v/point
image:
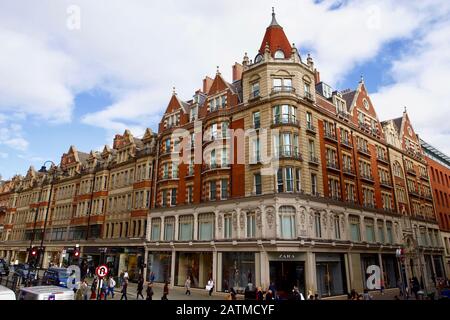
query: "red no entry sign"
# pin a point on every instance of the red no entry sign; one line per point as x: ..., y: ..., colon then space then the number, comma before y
x: 101, y: 271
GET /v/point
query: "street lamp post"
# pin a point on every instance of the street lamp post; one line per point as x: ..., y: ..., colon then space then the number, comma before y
x: 42, y: 248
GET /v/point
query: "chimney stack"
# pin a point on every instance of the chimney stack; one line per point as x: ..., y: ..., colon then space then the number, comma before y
x: 317, y: 76
x: 207, y: 83
x: 237, y: 71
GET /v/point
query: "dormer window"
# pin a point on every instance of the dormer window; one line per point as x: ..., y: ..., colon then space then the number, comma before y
x: 193, y: 115
x: 279, y: 54
x: 366, y: 104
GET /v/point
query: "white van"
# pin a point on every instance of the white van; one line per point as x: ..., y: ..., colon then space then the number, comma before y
x: 7, y: 294
x: 46, y: 293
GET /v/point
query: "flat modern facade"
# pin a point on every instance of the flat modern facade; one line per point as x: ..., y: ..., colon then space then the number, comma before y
x: 272, y: 178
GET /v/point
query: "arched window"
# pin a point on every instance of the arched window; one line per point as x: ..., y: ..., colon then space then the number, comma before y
x: 279, y: 54
x: 398, y: 172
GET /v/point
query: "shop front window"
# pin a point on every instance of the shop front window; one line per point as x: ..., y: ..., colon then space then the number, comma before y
x: 196, y: 265
x: 390, y: 269
x: 368, y: 260
x: 159, y: 266
x: 330, y: 272
x: 238, y: 270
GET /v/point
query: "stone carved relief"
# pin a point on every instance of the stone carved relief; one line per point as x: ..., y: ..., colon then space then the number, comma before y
x: 220, y: 222
x: 323, y: 215
x: 242, y: 220
x: 235, y: 220
x: 270, y: 216
x: 258, y: 218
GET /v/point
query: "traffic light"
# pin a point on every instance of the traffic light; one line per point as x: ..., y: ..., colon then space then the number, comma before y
x: 34, y: 252
x: 76, y: 254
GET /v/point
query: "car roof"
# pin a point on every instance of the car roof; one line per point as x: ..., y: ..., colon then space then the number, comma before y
x: 46, y: 289
x: 5, y: 289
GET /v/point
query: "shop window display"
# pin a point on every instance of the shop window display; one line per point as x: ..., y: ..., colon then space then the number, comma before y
x: 238, y: 270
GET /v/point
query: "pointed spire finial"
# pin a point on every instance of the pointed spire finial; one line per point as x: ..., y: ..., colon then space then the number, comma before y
x: 218, y: 71
x: 405, y: 110
x: 362, y: 79
x: 174, y: 91
x: 274, y: 20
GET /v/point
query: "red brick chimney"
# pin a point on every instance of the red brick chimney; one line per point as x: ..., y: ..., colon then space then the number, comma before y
x: 207, y: 83
x: 317, y: 76
x: 237, y: 71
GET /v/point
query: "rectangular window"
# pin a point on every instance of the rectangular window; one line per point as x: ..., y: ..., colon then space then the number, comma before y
x: 255, y: 90
x: 169, y: 229
x: 174, y: 170
x: 280, y: 180
x: 318, y: 226
x: 156, y: 230
x: 256, y: 120
x: 212, y: 190
x: 313, y: 184
x: 288, y: 226
x: 173, y: 197
x: 297, y: 180
x: 337, y: 228
x: 166, y: 171
x: 370, y: 232
x: 251, y: 225
x: 225, y: 133
x: 381, y: 232
x: 167, y: 145
x: 227, y: 227
x: 186, y: 228
x: 164, y: 198
x: 224, y: 189
x: 225, y: 161
x: 206, y: 227
x: 258, y: 186
x: 289, y: 180
x: 390, y: 237
x: 355, y: 231
x: 214, y: 131
x: 190, y: 194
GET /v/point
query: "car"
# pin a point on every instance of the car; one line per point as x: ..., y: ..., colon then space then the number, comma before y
x: 46, y: 293
x: 24, y: 271
x: 56, y: 276
x: 7, y: 294
x: 4, y: 268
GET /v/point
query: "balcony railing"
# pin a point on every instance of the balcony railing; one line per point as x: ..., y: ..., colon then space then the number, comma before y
x: 364, y: 150
x: 414, y: 193
x: 330, y: 135
x: 332, y: 165
x: 309, y: 96
x: 343, y: 114
x: 424, y: 176
x: 283, y: 89
x: 254, y: 95
x: 214, y: 166
x: 347, y: 143
x: 367, y: 177
x: 411, y: 171
x: 386, y: 183
x: 382, y: 158
x: 285, y: 119
x: 348, y: 170
x: 313, y: 159
x: 289, y: 152
x: 310, y: 128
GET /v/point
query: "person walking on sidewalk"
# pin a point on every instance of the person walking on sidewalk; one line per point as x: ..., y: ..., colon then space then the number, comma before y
x: 150, y: 291
x: 165, y: 291
x: 210, y: 286
x: 94, y: 289
x: 140, y: 287
x: 124, y: 290
x: 187, y: 285
x: 111, y: 285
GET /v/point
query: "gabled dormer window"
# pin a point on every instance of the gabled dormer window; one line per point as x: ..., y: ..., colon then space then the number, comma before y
x: 193, y: 115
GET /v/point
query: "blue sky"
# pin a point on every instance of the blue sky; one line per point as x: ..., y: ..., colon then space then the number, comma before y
x: 78, y: 72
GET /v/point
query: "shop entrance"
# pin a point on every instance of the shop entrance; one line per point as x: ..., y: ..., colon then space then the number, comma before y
x: 287, y: 274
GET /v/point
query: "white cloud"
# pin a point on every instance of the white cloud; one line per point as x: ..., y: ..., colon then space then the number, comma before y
x: 421, y: 77
x: 11, y: 134
x: 138, y: 51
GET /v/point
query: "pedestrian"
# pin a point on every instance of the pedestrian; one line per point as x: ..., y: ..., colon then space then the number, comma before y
x: 124, y: 290
x: 269, y: 295
x: 111, y: 286
x: 259, y: 294
x: 367, y: 295
x: 150, y: 291
x: 79, y: 294
x: 187, y: 285
x: 210, y: 286
x: 165, y: 291
x: 140, y: 287
x: 103, y: 289
x: 152, y: 277
x: 274, y: 290
x: 84, y: 288
x: 94, y: 289
x: 125, y: 275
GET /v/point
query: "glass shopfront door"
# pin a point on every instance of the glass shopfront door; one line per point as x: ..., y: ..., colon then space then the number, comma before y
x: 330, y: 275
x: 287, y: 274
